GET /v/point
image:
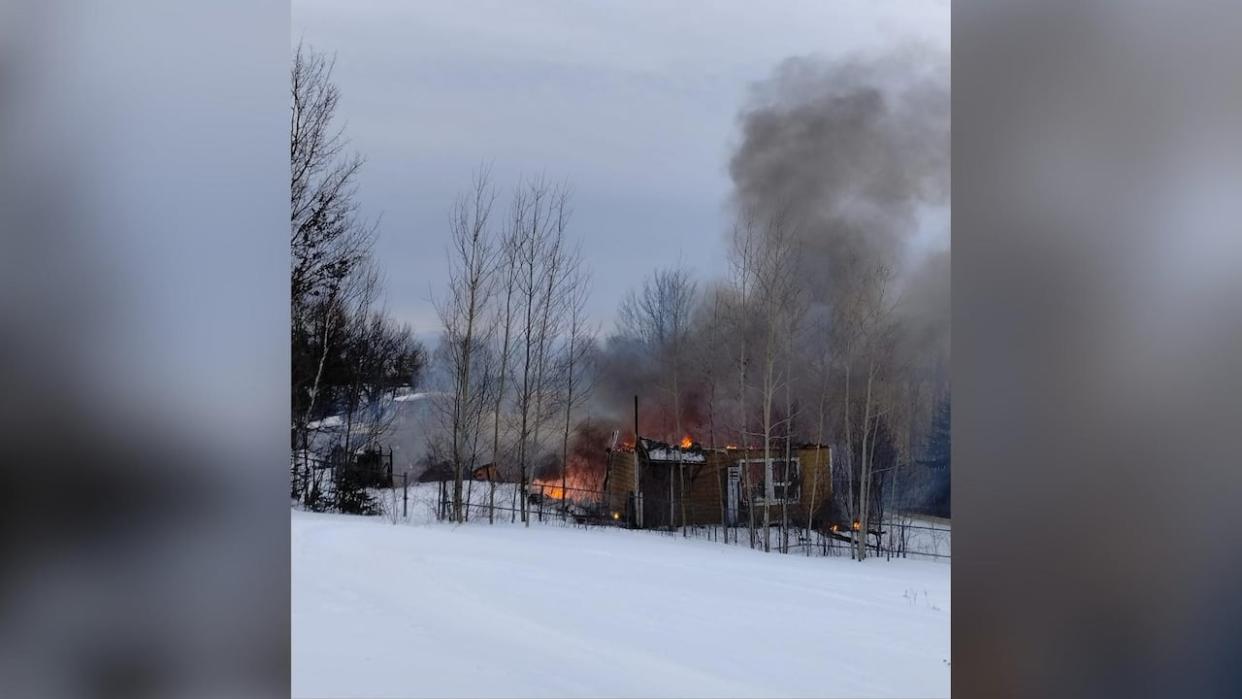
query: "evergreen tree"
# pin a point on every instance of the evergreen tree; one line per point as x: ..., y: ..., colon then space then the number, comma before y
x: 938, y: 458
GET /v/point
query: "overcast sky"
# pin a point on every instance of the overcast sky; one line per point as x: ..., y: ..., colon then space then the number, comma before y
x: 633, y: 103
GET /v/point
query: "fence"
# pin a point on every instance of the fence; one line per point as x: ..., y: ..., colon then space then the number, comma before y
x: 544, y: 503
x: 897, y: 537
x: 911, y: 536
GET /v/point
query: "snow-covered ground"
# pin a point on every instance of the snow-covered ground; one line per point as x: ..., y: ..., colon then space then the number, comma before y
x: 384, y: 609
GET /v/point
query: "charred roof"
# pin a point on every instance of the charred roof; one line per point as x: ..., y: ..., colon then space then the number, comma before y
x: 655, y: 450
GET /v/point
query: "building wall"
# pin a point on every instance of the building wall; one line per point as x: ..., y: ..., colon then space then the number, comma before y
x: 620, y: 481
x: 706, y: 486
x: 704, y: 493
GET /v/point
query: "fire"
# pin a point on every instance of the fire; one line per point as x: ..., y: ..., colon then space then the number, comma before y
x: 856, y: 525
x: 686, y: 442
x: 578, y: 486
x: 549, y: 489
x: 730, y: 446
x: 834, y: 527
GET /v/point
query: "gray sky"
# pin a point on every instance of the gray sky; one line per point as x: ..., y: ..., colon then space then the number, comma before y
x: 633, y: 103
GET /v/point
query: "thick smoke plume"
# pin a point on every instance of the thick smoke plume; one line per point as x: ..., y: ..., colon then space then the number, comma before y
x: 853, y: 152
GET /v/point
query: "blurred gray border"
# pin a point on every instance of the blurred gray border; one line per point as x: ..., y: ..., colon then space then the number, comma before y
x: 144, y: 311
x: 1097, y: 320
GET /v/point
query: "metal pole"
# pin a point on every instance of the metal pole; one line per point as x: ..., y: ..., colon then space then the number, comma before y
x: 671, y: 508
x: 638, y: 497
x: 405, y: 484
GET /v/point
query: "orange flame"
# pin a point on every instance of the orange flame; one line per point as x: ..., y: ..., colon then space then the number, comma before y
x: 856, y: 525
x: 551, y: 489
x: 686, y: 442
x: 730, y: 446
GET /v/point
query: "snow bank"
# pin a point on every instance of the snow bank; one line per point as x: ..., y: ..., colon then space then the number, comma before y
x: 474, y: 610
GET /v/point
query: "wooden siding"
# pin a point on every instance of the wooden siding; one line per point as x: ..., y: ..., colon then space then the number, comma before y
x: 706, y: 487
x: 620, y: 481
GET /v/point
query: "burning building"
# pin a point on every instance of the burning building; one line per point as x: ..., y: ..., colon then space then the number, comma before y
x: 685, y: 483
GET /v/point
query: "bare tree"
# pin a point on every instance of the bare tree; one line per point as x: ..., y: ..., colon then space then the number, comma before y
x: 508, y: 277
x: 909, y: 398
x: 821, y: 367
x: 528, y: 210
x: 540, y: 217
x: 742, y: 253
x: 774, y: 293
x: 463, y: 316
x: 850, y: 325
x: 791, y: 318
x: 902, y: 398
x: 557, y: 266
x: 486, y: 385
x: 707, y: 356
x: 580, y: 341
x: 658, y: 315
x: 875, y: 332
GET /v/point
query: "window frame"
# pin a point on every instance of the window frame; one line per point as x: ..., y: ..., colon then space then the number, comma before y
x: 761, y: 497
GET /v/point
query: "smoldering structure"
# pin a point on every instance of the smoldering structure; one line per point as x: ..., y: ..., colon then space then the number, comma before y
x: 855, y: 154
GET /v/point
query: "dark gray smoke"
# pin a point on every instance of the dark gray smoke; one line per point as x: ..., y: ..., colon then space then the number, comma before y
x: 856, y: 154
x: 924, y: 309
x: 853, y: 151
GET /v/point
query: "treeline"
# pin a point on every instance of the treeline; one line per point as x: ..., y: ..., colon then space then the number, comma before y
x: 767, y: 359
x: 347, y: 354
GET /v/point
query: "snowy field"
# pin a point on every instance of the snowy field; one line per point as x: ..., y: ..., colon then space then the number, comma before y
x: 383, y: 609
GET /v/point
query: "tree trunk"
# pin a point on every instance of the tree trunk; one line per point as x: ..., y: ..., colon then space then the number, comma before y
x: 788, y: 445
x: 865, y: 485
x: 681, y: 472
x: 768, y: 392
x: 849, y: 451
x: 569, y: 403
x: 500, y: 397
x: 745, y: 465
x: 819, y: 440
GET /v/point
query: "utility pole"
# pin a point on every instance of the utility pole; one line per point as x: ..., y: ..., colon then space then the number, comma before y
x: 638, y: 496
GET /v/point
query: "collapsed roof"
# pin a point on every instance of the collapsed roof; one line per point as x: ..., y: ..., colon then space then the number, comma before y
x: 661, y: 451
